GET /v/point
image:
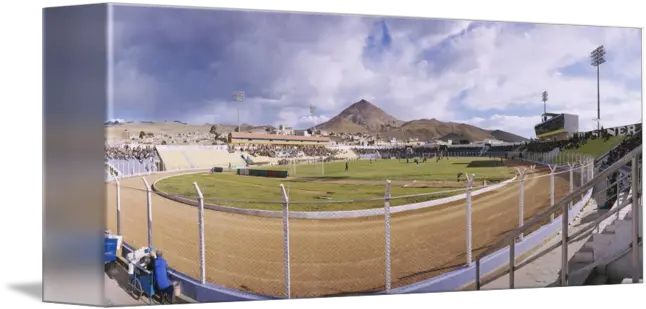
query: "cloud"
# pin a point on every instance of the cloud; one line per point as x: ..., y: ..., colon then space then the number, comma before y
x: 185, y: 63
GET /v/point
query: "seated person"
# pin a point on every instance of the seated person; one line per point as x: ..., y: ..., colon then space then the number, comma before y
x: 164, y: 285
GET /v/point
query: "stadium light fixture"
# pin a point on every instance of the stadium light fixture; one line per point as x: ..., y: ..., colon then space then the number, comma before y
x: 239, y: 97
x: 596, y: 59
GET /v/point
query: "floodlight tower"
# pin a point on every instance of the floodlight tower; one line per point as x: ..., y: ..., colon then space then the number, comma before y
x: 312, y: 114
x: 544, y: 97
x: 239, y: 97
x: 312, y: 111
x: 596, y: 59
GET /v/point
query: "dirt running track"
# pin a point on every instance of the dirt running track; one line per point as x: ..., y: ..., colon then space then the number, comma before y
x: 328, y: 257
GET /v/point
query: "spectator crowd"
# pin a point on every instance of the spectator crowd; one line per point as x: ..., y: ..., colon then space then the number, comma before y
x: 615, y: 182
x: 627, y: 145
x: 128, y: 152
x: 292, y: 151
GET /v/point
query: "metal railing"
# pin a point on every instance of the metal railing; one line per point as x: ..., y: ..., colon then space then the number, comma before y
x: 563, y: 206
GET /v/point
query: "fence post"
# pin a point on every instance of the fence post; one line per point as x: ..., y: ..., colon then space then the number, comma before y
x: 116, y: 180
x: 571, y: 182
x: 200, y: 218
x: 469, y: 214
x: 288, y: 286
x: 552, y: 169
x: 582, y: 174
x: 512, y: 262
x: 521, y: 199
x: 149, y: 202
x: 564, y: 246
x: 635, y: 219
x: 387, y: 235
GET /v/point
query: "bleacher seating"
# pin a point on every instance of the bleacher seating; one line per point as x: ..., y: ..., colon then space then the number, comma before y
x: 173, y: 159
x: 207, y: 158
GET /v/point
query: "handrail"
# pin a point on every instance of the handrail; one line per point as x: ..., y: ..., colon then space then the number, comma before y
x: 586, y: 229
x: 563, y: 201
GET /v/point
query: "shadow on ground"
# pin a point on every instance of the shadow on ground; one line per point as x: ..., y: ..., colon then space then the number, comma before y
x: 486, y: 163
x: 33, y: 290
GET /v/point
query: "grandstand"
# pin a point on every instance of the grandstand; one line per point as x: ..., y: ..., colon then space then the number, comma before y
x: 173, y: 158
x: 187, y: 156
x: 276, y: 139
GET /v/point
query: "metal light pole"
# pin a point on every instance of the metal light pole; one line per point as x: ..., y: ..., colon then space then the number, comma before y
x: 316, y: 123
x: 239, y: 97
x: 544, y: 97
x: 596, y: 59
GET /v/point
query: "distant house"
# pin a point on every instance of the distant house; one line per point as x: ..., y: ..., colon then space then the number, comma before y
x: 301, y: 133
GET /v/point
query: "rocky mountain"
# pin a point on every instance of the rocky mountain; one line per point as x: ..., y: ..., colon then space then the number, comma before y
x: 365, y: 117
x: 361, y: 117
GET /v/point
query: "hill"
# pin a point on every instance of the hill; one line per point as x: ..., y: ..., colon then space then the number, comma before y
x: 506, y: 136
x: 360, y: 117
x: 365, y: 117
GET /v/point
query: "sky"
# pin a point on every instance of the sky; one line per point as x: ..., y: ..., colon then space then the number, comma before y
x: 185, y: 63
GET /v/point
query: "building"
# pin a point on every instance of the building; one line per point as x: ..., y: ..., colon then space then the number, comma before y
x: 126, y: 135
x: 302, y: 133
x: 276, y: 139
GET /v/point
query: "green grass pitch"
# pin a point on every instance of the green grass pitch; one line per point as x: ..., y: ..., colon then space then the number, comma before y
x: 313, y: 187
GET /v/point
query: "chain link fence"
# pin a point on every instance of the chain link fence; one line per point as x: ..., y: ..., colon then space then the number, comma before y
x: 290, y: 248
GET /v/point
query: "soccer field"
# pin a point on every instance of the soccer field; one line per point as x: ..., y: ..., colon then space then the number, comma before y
x: 314, y: 187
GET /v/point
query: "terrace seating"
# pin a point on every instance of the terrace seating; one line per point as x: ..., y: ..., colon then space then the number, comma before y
x: 174, y: 159
x: 207, y: 158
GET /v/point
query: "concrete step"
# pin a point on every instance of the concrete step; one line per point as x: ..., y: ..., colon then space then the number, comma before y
x: 583, y: 257
x: 629, y: 215
x: 588, y: 246
x: 624, y: 224
x: 602, y: 239
x: 610, y: 229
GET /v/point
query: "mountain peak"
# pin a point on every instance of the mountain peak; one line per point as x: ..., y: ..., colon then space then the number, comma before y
x: 362, y: 104
x: 365, y: 117
x: 360, y: 117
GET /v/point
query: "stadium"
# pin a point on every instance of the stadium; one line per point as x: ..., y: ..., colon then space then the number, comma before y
x: 266, y: 216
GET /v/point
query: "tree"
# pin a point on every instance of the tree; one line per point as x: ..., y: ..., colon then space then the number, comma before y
x: 163, y: 142
x: 214, y: 129
x: 142, y: 134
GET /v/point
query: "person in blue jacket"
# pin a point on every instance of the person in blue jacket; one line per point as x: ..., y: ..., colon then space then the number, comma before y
x: 164, y: 285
